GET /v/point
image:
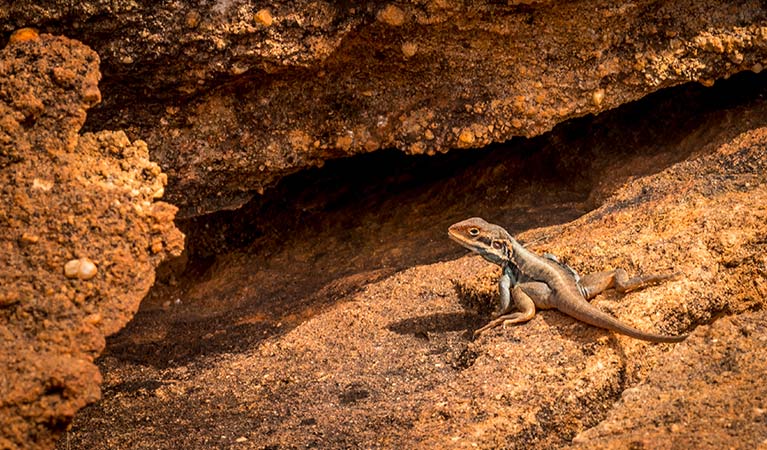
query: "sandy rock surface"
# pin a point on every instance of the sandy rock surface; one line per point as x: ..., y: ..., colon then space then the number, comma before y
x: 393, y: 365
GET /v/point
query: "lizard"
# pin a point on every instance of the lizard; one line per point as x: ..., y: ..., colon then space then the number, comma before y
x: 532, y: 281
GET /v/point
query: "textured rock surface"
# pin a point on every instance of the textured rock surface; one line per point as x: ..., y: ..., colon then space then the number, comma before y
x: 232, y: 95
x: 712, y: 395
x: 80, y: 235
x: 248, y: 354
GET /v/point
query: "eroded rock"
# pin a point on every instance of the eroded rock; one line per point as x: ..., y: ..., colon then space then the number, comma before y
x: 78, y: 231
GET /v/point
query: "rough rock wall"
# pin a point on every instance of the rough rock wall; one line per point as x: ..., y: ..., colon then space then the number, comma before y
x: 80, y: 235
x: 232, y: 95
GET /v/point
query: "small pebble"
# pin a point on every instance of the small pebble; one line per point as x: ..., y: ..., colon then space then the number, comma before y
x: 23, y: 35
x: 82, y: 268
x: 29, y: 238
x: 598, y: 96
x: 466, y: 138
x: 192, y: 19
x: 392, y: 15
x: 264, y: 17
x: 93, y: 319
x: 409, y: 49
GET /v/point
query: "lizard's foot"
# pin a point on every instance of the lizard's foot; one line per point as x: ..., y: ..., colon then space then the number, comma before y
x: 624, y: 284
x: 490, y: 325
x: 506, y: 319
x: 596, y: 283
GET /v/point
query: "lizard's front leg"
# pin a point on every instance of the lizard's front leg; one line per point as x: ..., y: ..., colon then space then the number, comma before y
x: 504, y: 286
x: 596, y: 283
x: 524, y: 296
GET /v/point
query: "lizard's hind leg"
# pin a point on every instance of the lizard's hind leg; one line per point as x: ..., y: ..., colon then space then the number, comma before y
x: 596, y: 283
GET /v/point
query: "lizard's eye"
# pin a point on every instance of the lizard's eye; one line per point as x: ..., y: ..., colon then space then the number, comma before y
x: 497, y: 245
x: 474, y: 231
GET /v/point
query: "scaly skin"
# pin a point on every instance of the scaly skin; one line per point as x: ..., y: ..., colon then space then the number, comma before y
x: 542, y: 282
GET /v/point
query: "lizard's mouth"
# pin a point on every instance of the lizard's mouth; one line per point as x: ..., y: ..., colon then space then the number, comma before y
x: 459, y: 239
x: 452, y: 236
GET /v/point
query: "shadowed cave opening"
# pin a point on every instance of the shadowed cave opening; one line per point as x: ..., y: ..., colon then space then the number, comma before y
x: 321, y: 234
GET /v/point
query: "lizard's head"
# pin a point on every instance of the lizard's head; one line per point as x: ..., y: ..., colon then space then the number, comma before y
x: 479, y: 236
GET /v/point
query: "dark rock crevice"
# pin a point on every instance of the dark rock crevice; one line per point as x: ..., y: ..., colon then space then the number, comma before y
x: 322, y: 234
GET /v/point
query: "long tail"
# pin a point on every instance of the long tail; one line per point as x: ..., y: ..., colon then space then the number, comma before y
x: 585, y: 312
